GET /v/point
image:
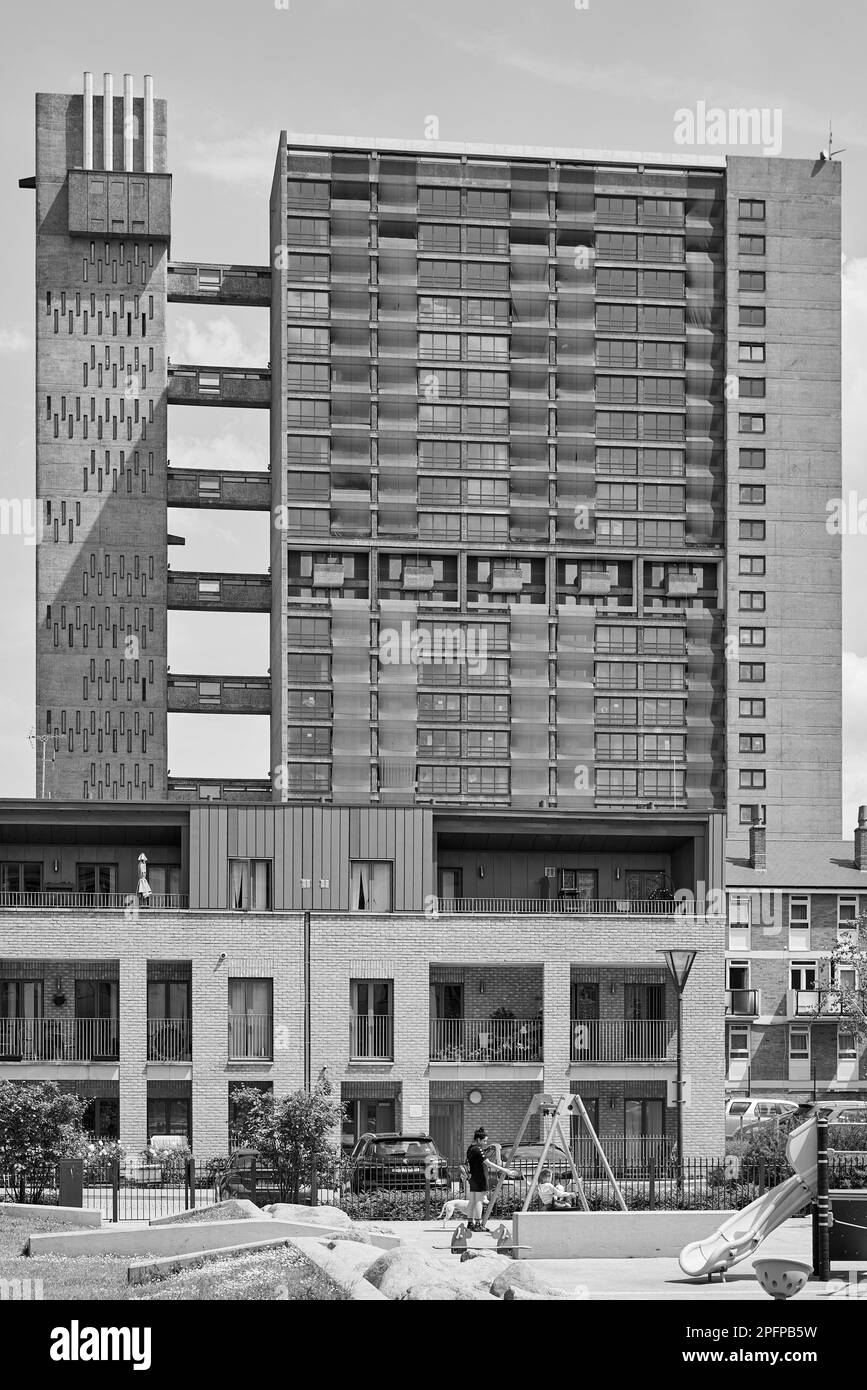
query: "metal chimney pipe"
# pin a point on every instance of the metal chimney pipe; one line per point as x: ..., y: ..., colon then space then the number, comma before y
x: 128, y: 123
x: 148, y: 125
x: 87, y: 156
x: 108, y: 122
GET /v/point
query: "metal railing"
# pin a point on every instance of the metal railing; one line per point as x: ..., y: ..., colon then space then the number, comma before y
x: 251, y: 1037
x: 486, y: 1040
x: 63, y: 898
x: 596, y: 907
x: 170, y: 1039
x: 621, y: 1039
x: 807, y: 1003
x: 371, y: 1037
x: 59, y: 1039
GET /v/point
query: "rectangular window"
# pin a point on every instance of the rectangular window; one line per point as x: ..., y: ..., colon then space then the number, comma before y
x: 751, y: 743
x: 370, y: 885
x: 371, y: 1005
x: 751, y: 387
x: 169, y: 1115
x: 751, y: 636
x: 751, y: 316
x: 751, y: 530
x: 251, y: 1019
x: 97, y: 879
x: 751, y: 601
x: 749, y: 813
x: 443, y: 201
x: 751, y: 709
x: 249, y: 885
x: 749, y: 245
x: 739, y: 910
x: 752, y: 671
x: 847, y: 914
x: 751, y: 424
x: 488, y: 241
x: 487, y: 202
x: 751, y: 352
x: 618, y: 318
x: 439, y: 236
x: 799, y: 1045
x: 751, y: 281
x: 750, y: 495
x: 799, y: 922
x: 751, y: 209
x: 751, y: 564
x: 739, y: 1041
x: 613, y: 209
x: 847, y: 1045
x: 751, y: 779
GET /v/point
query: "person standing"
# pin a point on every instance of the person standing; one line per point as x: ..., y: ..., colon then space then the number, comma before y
x: 478, y: 1166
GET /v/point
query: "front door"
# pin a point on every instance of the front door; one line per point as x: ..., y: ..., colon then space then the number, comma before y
x: 446, y: 1125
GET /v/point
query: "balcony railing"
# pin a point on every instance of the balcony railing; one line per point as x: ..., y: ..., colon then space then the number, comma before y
x: 743, y: 1002
x: 59, y: 1039
x: 808, y: 1003
x: 170, y: 1039
x: 251, y: 1037
x: 486, y: 1040
x: 371, y: 1037
x: 621, y: 1039
x: 63, y: 898
x: 595, y: 907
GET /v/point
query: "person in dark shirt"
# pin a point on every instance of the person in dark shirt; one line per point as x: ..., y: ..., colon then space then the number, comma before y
x: 479, y: 1165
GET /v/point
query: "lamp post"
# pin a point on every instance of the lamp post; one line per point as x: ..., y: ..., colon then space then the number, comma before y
x: 680, y: 963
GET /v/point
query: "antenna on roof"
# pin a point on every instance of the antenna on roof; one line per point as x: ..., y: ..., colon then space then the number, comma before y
x: 825, y: 155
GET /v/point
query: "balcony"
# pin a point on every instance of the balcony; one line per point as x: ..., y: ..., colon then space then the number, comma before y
x: 170, y: 1040
x: 828, y: 1003
x: 588, y: 907
x: 53, y: 899
x: 251, y: 1038
x: 59, y: 1040
x: 371, y: 1038
x: 743, y: 1003
x: 486, y: 1040
x: 621, y: 1039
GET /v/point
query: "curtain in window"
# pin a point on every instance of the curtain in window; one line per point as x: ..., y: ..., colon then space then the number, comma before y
x: 359, y: 887
x: 239, y: 883
x: 259, y: 883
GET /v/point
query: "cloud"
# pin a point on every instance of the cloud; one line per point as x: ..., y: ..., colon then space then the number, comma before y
x: 14, y: 340
x: 226, y: 451
x: 217, y: 343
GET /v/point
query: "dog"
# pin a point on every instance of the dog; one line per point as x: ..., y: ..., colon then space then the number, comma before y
x: 453, y: 1209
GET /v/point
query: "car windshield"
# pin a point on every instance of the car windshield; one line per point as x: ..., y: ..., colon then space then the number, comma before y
x: 403, y: 1148
x: 739, y: 1107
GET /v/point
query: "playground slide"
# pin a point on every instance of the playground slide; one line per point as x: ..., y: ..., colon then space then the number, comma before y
x: 744, y: 1232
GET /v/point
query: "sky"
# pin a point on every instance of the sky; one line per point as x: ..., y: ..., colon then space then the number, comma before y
x: 586, y: 74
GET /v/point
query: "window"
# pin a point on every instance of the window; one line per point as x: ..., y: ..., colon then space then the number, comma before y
x: 751, y: 316
x: 751, y: 636
x: 751, y: 779
x: 96, y: 878
x: 619, y: 318
x: 750, y: 495
x: 802, y: 975
x: 101, y: 1118
x: 751, y: 424
x: 616, y: 281
x: 446, y: 345
x: 847, y: 914
x: 751, y: 564
x: 751, y: 209
x: 439, y: 309
x: 308, y: 191
x: 250, y: 885
x: 799, y: 922
x: 307, y: 303
x: 661, y: 318
x: 169, y: 1115
x: 264, y: 1088
x: 308, y: 376
x: 751, y: 709
x: 19, y: 999
x: 370, y: 886
x: 487, y: 202
x: 739, y: 910
x: 488, y: 241
x: 444, y: 201
x: 751, y: 387
x: 612, y: 209
x: 371, y: 1018
x: 309, y: 704
x: 485, y: 275
x: 799, y: 1047
x: 251, y: 1019
x: 751, y: 281
x: 439, y: 236
x: 301, y: 267
x: 662, y: 284
x: 20, y: 878
x: 749, y: 245
x: 751, y: 352
x: 312, y: 231
x: 847, y: 1044
x: 738, y: 975
x: 302, y: 339
x: 443, y: 275
x: 751, y: 671
x: 751, y: 601
x: 482, y: 347
x: 751, y: 743
x: 96, y: 999
x: 748, y: 814
x: 751, y: 530
x: 612, y: 352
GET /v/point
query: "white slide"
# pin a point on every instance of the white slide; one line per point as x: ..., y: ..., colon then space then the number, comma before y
x: 744, y: 1232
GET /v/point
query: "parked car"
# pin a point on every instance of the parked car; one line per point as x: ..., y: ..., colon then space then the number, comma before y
x: 526, y: 1157
x: 238, y: 1180
x: 745, y: 1112
x: 397, y: 1161
x: 843, y: 1112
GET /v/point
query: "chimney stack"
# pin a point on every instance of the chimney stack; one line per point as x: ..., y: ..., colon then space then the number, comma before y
x: 861, y: 839
x: 758, y: 855
x: 128, y: 123
x: 87, y: 155
x: 148, y: 125
x: 108, y: 122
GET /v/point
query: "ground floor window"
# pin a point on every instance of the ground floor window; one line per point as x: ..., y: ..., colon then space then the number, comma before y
x: 170, y: 1116
x: 642, y: 1118
x: 265, y: 1087
x: 101, y: 1117
x: 368, y: 1115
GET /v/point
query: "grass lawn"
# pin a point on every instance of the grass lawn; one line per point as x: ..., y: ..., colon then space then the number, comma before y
x: 279, y: 1274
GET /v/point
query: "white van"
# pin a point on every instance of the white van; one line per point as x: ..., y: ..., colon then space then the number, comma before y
x: 745, y: 1112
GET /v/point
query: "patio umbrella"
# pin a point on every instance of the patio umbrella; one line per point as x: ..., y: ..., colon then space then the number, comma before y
x: 144, y: 888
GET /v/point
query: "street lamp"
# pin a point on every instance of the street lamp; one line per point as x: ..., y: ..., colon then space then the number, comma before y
x: 679, y: 964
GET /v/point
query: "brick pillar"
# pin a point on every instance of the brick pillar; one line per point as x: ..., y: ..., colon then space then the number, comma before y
x: 211, y: 1072
x: 556, y: 1032
x: 132, y: 1009
x: 704, y: 1050
x: 412, y: 1043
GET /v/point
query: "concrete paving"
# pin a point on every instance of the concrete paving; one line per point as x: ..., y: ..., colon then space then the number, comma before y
x: 602, y: 1279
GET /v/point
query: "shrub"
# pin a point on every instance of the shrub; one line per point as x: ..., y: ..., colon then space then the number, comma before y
x: 172, y: 1162
x: 39, y: 1125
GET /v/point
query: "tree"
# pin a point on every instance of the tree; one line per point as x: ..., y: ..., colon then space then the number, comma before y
x: 39, y: 1125
x: 293, y: 1134
x: 844, y: 979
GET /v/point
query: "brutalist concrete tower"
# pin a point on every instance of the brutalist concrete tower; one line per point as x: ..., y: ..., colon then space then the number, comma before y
x: 102, y: 245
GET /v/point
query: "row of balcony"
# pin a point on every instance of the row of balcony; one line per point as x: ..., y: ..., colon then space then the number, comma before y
x: 800, y: 1003
x: 371, y: 1038
x: 519, y: 907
